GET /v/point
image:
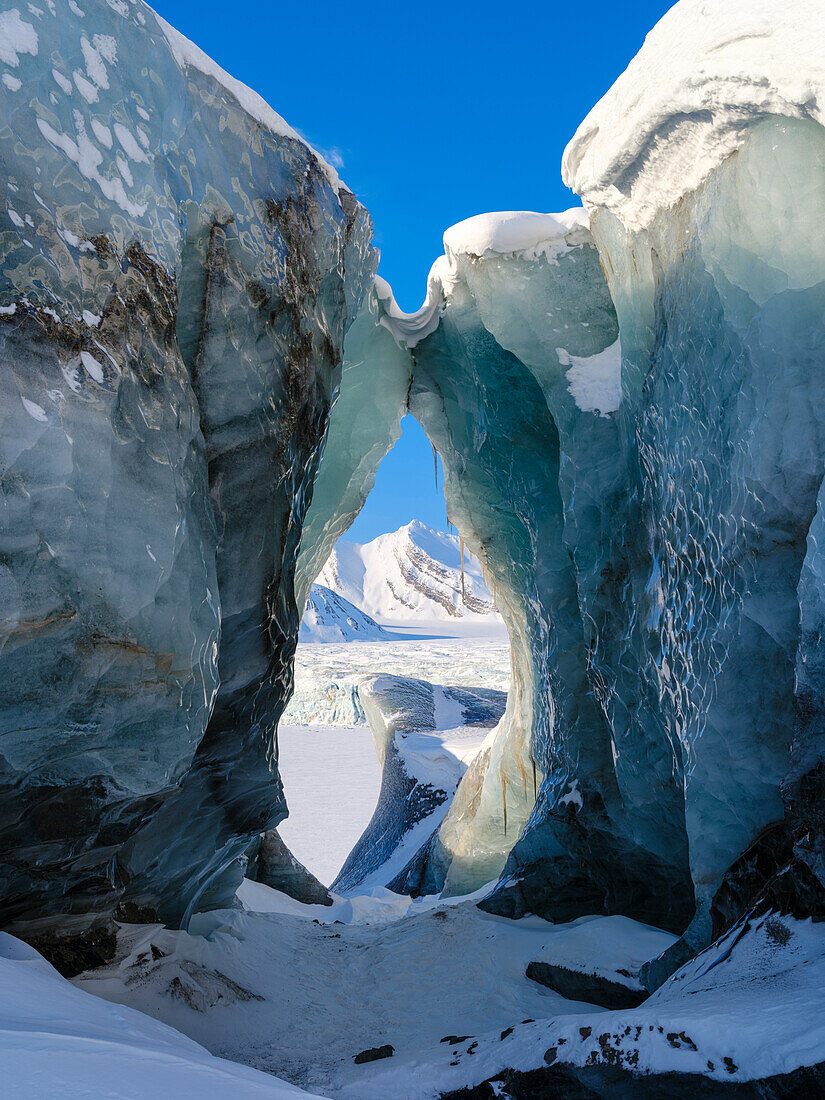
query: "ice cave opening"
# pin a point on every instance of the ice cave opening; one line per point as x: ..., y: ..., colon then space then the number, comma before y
x: 613, y: 880
x: 401, y: 672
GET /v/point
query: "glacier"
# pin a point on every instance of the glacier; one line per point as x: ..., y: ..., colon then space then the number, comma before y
x: 179, y: 271
x: 201, y: 373
x: 654, y: 547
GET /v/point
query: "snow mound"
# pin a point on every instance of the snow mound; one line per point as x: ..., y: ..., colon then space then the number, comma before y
x: 706, y: 74
x: 412, y: 573
x: 57, y: 1040
x: 328, y: 617
x: 512, y: 231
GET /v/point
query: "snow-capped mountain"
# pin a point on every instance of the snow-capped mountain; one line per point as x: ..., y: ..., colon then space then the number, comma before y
x: 412, y: 573
x: 328, y: 617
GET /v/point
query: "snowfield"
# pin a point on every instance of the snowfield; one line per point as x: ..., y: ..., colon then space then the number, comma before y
x: 299, y: 991
x: 326, y: 746
x: 331, y: 778
x: 58, y: 1041
x: 317, y: 992
x: 466, y: 653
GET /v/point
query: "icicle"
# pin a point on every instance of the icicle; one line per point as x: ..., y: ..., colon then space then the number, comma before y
x: 435, y: 463
x: 463, y: 593
x: 504, y: 797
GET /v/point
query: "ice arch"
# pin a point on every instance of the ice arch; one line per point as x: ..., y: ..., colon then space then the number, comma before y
x: 648, y: 506
x: 513, y: 368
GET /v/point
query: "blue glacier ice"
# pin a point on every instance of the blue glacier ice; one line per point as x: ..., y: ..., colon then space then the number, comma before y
x: 178, y: 273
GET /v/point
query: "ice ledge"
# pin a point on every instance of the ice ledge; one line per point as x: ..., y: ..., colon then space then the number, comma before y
x: 188, y: 55
x: 707, y: 72
x: 521, y: 233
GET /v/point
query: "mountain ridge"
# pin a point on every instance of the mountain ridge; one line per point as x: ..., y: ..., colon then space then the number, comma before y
x: 414, y: 572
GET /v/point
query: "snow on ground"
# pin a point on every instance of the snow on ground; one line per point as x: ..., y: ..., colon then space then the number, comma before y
x: 331, y: 778
x: 748, y: 1008
x: 58, y: 1041
x: 382, y: 969
x: 395, y: 971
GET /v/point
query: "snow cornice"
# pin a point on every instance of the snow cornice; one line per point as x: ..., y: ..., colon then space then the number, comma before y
x: 518, y: 233
x: 707, y: 73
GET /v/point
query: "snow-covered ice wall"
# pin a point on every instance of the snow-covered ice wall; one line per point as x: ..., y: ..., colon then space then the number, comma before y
x: 178, y: 272
x: 706, y: 184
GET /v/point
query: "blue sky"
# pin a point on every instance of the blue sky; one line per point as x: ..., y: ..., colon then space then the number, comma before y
x: 437, y: 112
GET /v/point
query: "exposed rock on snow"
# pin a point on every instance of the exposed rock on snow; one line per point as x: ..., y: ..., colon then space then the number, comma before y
x: 412, y: 573
x: 586, y: 987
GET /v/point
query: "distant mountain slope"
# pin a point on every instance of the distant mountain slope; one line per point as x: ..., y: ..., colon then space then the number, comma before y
x: 328, y: 617
x: 411, y: 573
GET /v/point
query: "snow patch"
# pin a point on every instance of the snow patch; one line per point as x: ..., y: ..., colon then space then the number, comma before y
x: 86, y: 155
x: 518, y: 231
x: 573, y: 797
x: 88, y: 90
x: 63, y: 83
x: 102, y: 133
x: 94, y: 369
x: 16, y: 37
x: 130, y: 147
x: 95, y: 67
x: 595, y: 381
x: 35, y: 411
